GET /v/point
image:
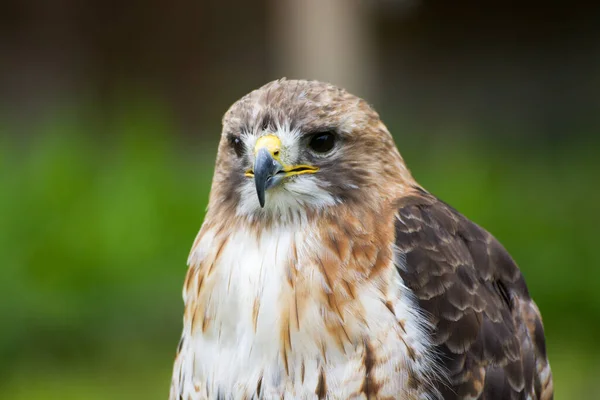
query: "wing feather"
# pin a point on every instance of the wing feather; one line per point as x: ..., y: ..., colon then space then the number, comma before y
x: 487, y: 330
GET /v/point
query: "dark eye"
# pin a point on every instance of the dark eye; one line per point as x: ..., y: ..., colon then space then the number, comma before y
x: 322, y: 142
x: 237, y: 145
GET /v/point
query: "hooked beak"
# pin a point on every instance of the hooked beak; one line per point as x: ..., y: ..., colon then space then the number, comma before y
x: 268, y: 169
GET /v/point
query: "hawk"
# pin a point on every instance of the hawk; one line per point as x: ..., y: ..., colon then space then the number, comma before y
x: 324, y: 270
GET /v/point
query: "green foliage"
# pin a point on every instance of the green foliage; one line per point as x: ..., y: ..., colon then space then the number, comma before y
x: 96, y: 230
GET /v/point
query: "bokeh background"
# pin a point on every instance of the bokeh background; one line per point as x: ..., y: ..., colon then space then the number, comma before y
x: 109, y: 119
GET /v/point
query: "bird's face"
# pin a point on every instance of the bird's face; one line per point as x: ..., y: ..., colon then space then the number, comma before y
x: 276, y: 168
x: 284, y: 171
x: 295, y: 147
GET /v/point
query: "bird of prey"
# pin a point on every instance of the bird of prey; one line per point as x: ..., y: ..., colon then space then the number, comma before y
x: 323, y: 270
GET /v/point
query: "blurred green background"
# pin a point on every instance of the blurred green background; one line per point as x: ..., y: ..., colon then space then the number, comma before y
x: 109, y: 121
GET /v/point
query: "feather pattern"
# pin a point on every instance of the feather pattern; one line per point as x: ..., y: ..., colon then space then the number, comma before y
x: 301, y: 315
x: 488, y: 331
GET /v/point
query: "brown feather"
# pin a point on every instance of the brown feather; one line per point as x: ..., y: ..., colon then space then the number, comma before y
x: 487, y: 329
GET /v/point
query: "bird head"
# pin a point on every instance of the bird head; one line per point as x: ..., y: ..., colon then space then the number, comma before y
x: 294, y: 148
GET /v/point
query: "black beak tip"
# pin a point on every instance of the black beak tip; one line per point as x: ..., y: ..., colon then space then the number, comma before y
x: 261, y: 200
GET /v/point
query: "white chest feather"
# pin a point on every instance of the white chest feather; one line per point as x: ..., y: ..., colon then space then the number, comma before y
x: 260, y: 322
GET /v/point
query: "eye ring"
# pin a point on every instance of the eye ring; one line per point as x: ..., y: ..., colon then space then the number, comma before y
x: 322, y: 142
x: 237, y: 144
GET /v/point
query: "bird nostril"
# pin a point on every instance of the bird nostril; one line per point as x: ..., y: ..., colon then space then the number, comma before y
x: 276, y: 153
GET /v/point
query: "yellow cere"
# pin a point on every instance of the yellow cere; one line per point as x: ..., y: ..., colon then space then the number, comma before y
x: 271, y: 143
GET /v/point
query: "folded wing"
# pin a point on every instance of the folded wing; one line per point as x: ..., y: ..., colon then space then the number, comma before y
x: 486, y: 328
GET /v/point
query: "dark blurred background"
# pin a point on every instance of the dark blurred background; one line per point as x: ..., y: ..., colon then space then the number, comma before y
x: 109, y: 118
